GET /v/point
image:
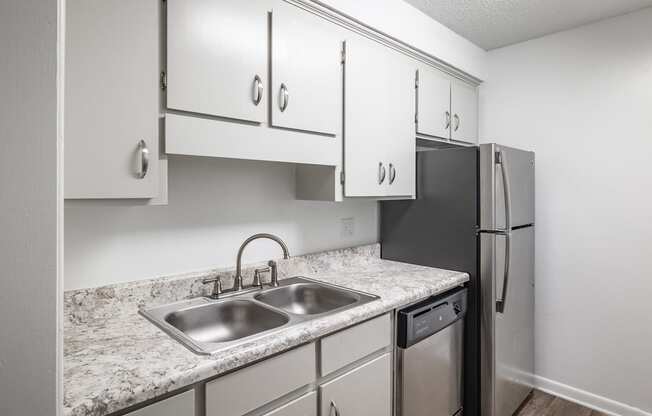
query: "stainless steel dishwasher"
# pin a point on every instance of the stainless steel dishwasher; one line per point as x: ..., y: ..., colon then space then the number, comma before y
x: 430, y: 356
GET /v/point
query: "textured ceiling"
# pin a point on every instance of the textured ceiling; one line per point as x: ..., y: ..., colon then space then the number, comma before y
x: 495, y: 23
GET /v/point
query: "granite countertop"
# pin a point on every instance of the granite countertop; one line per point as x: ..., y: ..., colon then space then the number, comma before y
x: 115, y: 358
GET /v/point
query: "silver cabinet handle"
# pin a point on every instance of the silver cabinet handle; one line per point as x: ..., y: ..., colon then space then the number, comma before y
x: 333, y: 408
x: 284, y: 97
x: 457, y: 122
x: 381, y: 173
x: 501, y: 159
x: 144, y: 159
x: 257, y: 90
x: 392, y: 173
x: 448, y: 120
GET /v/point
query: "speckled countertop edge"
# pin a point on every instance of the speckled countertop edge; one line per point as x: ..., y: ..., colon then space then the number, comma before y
x: 114, y: 358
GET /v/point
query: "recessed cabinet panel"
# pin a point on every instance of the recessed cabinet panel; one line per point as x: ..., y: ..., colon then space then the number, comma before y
x: 464, y: 107
x: 433, y: 103
x: 217, y: 57
x: 379, y: 118
x: 364, y: 391
x: 306, y: 87
x: 112, y: 99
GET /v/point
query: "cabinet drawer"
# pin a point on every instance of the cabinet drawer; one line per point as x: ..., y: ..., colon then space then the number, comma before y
x: 364, y: 391
x: 180, y: 405
x: 354, y: 343
x: 303, y: 406
x: 247, y: 389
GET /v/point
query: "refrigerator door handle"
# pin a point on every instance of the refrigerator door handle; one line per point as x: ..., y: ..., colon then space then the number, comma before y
x: 500, y: 302
x: 507, y: 233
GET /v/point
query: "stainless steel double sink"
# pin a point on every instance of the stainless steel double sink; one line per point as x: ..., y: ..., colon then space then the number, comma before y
x: 206, y: 325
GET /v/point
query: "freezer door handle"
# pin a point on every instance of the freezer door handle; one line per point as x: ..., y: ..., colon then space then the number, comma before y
x: 501, y: 159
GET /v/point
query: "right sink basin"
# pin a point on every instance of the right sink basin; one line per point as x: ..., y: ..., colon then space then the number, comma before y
x: 308, y: 298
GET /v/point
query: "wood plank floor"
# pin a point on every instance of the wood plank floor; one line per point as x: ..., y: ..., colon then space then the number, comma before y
x: 543, y: 404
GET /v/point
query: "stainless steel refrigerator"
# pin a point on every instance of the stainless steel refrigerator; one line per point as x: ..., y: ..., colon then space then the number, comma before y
x: 474, y: 212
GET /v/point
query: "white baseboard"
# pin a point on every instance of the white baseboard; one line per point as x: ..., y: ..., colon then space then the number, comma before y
x: 590, y: 400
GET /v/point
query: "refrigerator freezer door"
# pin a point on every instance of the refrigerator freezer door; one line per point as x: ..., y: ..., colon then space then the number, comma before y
x: 507, y: 338
x: 518, y: 166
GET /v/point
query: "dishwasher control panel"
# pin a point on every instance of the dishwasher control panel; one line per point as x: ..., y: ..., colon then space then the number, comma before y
x: 430, y: 316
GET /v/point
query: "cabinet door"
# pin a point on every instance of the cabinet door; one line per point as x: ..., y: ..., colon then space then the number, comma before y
x: 364, y: 391
x: 180, y: 405
x: 112, y: 98
x: 401, y: 162
x: 305, y: 405
x: 433, y: 103
x: 464, y: 106
x: 217, y: 57
x: 379, y: 115
x: 306, y: 87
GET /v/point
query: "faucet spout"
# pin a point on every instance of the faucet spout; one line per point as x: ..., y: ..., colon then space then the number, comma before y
x: 237, y: 284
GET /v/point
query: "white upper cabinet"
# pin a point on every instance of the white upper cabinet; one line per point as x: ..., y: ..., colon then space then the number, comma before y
x: 217, y: 57
x: 111, y: 99
x: 446, y: 108
x: 379, y: 125
x: 433, y: 103
x: 464, y: 110
x: 306, y: 85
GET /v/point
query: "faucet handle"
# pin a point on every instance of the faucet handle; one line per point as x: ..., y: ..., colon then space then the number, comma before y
x: 217, y: 288
x: 257, y: 272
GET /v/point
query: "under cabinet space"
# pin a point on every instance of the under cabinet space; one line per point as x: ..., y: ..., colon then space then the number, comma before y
x: 433, y: 103
x: 112, y: 99
x: 217, y: 57
x: 364, y: 391
x: 379, y: 131
x: 180, y: 405
x: 464, y: 112
x: 306, y: 84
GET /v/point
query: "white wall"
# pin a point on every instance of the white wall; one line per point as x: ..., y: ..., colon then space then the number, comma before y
x: 582, y: 100
x: 214, y: 204
x: 28, y: 208
x: 405, y: 22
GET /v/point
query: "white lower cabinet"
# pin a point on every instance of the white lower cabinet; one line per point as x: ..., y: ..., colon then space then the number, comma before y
x: 364, y: 391
x: 303, y: 406
x: 252, y: 387
x: 352, y: 344
x: 180, y: 405
x: 288, y: 384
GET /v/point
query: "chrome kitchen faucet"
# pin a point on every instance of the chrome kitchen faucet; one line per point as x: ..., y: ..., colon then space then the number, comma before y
x: 237, y: 284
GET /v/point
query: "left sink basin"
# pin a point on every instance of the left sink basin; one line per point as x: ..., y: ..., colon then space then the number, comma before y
x: 226, y: 321
x: 207, y: 326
